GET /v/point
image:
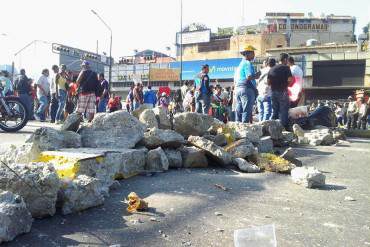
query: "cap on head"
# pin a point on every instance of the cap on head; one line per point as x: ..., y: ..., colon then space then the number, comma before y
x: 85, y: 63
x: 247, y: 49
x: 164, y: 94
x: 350, y: 97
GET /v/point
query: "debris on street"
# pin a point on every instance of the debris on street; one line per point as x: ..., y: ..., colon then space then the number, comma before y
x: 135, y: 203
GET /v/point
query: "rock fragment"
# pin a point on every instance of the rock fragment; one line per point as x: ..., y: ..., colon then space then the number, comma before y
x: 112, y: 130
x: 245, y: 166
x: 148, y: 118
x: 212, y: 150
x: 241, y: 148
x: 72, y: 122
x: 157, y: 160
x: 15, y: 218
x: 81, y: 193
x: 193, y: 157
x: 174, y: 158
x: 162, y: 138
x: 310, y: 177
x: 38, y: 184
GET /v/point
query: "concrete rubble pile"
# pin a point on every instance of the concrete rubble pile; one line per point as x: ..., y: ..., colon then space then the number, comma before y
x: 320, y: 135
x: 75, y: 167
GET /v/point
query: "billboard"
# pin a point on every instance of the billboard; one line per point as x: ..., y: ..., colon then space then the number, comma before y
x: 164, y: 74
x: 218, y: 68
x: 194, y: 37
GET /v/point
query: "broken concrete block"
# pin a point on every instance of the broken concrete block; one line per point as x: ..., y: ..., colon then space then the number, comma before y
x: 219, y: 139
x: 72, y: 122
x: 245, y: 166
x: 156, y: 160
x: 274, y: 163
x: 162, y: 118
x: 81, y: 193
x: 162, y: 138
x: 273, y: 128
x: 212, y: 150
x: 148, y: 118
x: 252, y: 132
x: 137, y: 112
x: 240, y: 149
x: 174, y: 158
x: 265, y: 145
x: 24, y: 153
x: 15, y: 218
x: 191, y: 123
x: 47, y: 138
x: 38, y: 185
x: 310, y: 177
x: 112, y: 130
x: 103, y: 164
x: 288, y: 136
x: 290, y: 156
x: 193, y: 157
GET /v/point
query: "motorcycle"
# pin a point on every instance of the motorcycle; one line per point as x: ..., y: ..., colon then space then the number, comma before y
x: 13, y: 113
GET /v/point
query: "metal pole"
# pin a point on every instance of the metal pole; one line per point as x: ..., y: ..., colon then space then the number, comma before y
x: 110, y: 60
x: 181, y: 44
x: 110, y: 48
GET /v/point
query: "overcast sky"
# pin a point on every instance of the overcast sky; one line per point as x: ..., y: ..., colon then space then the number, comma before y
x: 139, y: 24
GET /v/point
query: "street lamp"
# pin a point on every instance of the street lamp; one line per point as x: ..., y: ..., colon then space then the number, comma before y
x: 110, y: 48
x: 25, y: 47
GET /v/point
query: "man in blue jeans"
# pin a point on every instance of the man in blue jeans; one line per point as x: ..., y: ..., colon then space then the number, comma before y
x: 245, y: 86
x: 103, y: 101
x: 23, y: 88
x: 43, y: 87
x: 280, y: 78
x: 203, y: 91
x: 264, y: 92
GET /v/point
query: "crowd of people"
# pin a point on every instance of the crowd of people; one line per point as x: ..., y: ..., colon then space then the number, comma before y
x: 54, y: 98
x: 351, y: 114
x: 270, y: 92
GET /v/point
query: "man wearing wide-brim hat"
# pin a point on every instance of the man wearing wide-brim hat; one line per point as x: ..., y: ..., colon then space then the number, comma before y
x: 245, y: 85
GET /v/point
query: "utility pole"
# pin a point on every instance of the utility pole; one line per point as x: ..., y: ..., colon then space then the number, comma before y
x: 110, y: 47
x: 181, y: 43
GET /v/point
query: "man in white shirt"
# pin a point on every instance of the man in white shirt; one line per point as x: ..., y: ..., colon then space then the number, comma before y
x: 295, y: 90
x: 43, y: 87
x: 264, y: 92
x: 352, y: 112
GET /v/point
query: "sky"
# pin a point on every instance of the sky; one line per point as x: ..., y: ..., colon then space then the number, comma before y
x: 139, y: 24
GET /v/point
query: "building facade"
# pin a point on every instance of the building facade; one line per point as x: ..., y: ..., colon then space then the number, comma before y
x: 300, y: 28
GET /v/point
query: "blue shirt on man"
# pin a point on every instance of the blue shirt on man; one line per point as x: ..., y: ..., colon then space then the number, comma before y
x: 150, y: 97
x: 244, y: 70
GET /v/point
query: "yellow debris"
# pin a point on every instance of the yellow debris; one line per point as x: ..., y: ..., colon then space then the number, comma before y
x: 135, y: 203
x: 273, y: 163
x: 228, y: 132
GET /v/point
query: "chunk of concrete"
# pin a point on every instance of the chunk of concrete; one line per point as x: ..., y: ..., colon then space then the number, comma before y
x: 265, y: 145
x: 162, y: 118
x: 273, y: 128
x: 212, y: 150
x: 196, y: 124
x: 310, y: 177
x: 193, y: 157
x: 241, y: 148
x: 252, y: 132
x: 47, y: 138
x: 38, y: 184
x: 72, y: 122
x: 245, y: 166
x: 15, y: 218
x: 113, y: 130
x: 174, y: 158
x: 162, y: 138
x: 148, y: 118
x: 157, y: 160
x: 81, y: 193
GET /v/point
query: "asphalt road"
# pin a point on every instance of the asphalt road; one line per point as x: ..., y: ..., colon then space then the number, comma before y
x: 184, y: 203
